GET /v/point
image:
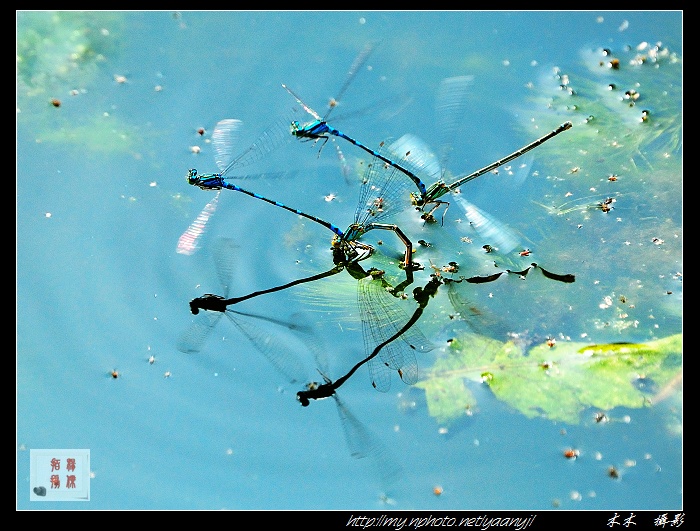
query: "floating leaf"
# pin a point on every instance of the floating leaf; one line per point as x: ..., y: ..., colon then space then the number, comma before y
x: 557, y: 382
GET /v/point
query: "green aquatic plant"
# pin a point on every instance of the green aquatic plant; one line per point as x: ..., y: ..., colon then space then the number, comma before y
x: 611, y: 187
x: 62, y: 48
x: 99, y: 134
x: 556, y: 382
x: 62, y: 56
x: 626, y: 107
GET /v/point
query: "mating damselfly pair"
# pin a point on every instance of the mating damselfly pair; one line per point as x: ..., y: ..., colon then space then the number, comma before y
x: 393, y: 181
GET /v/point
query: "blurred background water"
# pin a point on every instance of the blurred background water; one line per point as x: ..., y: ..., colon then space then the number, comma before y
x: 113, y: 108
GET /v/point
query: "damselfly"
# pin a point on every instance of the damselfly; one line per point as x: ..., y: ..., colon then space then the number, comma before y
x: 382, y: 195
x: 319, y: 129
x: 223, y: 140
x: 439, y: 188
x: 503, y: 247
x: 421, y: 166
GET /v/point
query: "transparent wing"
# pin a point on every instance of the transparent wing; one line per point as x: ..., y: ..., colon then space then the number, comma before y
x: 191, y: 240
x: 450, y: 109
x: 382, y: 318
x: 224, y: 139
x: 225, y: 251
x: 417, y: 156
x: 489, y: 229
x: 194, y: 338
x: 271, y: 345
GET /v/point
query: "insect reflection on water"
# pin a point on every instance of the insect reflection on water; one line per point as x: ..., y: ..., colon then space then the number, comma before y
x: 266, y: 341
x: 361, y: 442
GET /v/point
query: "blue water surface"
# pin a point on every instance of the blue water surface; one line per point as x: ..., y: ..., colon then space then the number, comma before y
x: 102, y: 200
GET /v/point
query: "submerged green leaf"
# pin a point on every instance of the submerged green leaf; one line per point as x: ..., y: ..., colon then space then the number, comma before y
x: 557, y: 382
x: 448, y: 398
x: 98, y: 134
x: 58, y: 49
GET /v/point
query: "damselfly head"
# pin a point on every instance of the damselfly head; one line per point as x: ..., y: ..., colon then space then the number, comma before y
x: 192, y: 177
x: 295, y: 126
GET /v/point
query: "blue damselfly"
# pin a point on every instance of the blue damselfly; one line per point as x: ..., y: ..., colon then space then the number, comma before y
x: 224, y: 138
x: 382, y: 194
x: 319, y: 129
